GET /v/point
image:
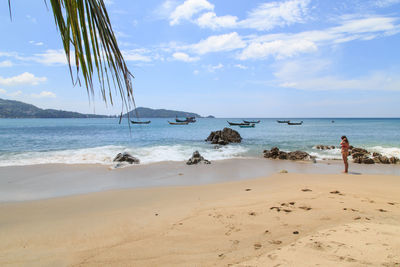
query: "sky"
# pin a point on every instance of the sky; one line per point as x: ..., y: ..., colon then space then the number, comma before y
x: 278, y: 59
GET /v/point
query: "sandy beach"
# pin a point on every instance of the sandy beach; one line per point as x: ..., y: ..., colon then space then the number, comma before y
x: 279, y: 219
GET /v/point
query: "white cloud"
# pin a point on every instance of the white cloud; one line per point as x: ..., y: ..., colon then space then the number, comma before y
x: 213, y: 68
x: 44, y: 94
x: 15, y: 94
x: 210, y: 20
x: 316, y: 75
x: 32, y: 19
x: 36, y: 43
x: 137, y: 55
x: 5, y: 63
x: 385, y: 3
x: 288, y: 45
x: 52, y: 57
x: 217, y: 43
x: 265, y: 17
x: 196, y: 72
x: 184, y: 57
x: 25, y: 78
x: 279, y: 49
x: 188, y: 9
x: 240, y: 66
x: 2, y: 91
x: 272, y: 14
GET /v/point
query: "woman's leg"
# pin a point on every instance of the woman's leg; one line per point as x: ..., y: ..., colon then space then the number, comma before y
x: 346, y: 163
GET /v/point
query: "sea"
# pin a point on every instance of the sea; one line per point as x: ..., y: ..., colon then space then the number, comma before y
x: 98, y: 141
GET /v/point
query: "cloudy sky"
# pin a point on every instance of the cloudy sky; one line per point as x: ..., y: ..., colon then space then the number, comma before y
x: 293, y: 58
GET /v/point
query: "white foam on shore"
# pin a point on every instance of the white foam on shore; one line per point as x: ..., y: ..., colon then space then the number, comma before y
x: 386, y: 151
x: 105, y: 154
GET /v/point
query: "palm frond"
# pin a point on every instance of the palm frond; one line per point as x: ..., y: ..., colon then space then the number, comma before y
x: 88, y: 37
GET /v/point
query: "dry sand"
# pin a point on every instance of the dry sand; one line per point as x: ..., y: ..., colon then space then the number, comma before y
x: 282, y: 220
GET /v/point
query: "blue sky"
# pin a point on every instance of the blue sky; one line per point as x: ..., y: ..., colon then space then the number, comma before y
x: 293, y: 58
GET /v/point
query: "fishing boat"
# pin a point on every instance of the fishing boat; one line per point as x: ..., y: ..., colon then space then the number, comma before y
x: 237, y: 123
x: 188, y: 119
x: 295, y: 123
x: 140, y: 122
x: 247, y: 126
x: 178, y: 123
x: 251, y: 121
x: 282, y: 121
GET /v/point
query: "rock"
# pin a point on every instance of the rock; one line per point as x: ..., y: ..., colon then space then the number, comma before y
x: 197, y: 158
x: 224, y: 137
x: 324, y: 147
x: 376, y: 154
x: 126, y: 157
x: 275, y: 153
x: 298, y: 155
x: 383, y: 159
x: 394, y: 160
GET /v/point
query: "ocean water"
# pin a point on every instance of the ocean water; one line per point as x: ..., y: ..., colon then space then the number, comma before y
x: 88, y: 141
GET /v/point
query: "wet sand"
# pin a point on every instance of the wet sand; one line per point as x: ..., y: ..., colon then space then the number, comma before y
x: 284, y: 219
x: 33, y: 182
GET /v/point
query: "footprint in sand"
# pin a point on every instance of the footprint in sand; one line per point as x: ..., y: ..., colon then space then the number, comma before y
x: 392, y: 203
x: 382, y: 210
x: 296, y: 232
x: 336, y: 192
x: 252, y: 213
x: 257, y: 246
x: 275, y: 242
x: 305, y: 208
x: 306, y: 190
x: 277, y: 209
x: 248, y: 189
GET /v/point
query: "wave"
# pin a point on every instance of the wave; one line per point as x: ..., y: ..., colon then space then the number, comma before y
x: 105, y: 154
x: 336, y: 153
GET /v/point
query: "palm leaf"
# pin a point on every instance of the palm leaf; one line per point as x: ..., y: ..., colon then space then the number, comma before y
x: 88, y: 37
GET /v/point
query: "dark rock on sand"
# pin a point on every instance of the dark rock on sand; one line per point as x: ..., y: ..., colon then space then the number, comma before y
x: 224, y: 137
x: 197, y: 158
x: 275, y: 153
x: 324, y: 147
x: 126, y: 157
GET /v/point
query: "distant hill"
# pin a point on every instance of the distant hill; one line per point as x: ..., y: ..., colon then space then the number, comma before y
x: 160, y: 113
x: 17, y: 109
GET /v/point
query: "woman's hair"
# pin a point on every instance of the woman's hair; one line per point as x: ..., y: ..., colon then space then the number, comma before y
x: 345, y: 139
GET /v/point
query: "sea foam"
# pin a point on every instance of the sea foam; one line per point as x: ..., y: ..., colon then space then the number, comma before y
x: 105, y: 154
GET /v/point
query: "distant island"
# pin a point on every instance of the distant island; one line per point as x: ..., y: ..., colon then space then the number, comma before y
x: 161, y: 113
x: 18, y: 109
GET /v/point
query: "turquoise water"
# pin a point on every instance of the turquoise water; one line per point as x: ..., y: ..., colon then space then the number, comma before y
x: 36, y: 141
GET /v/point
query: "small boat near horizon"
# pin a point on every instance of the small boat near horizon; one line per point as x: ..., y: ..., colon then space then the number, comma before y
x: 278, y: 121
x: 140, y: 122
x: 247, y: 126
x: 251, y: 121
x: 178, y: 123
x: 237, y: 123
x: 295, y: 123
x: 188, y: 119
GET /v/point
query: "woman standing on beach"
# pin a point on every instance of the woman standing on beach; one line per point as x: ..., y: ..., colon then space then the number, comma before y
x: 345, y: 152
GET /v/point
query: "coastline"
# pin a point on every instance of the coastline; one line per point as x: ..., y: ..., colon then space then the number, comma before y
x: 339, y: 220
x: 24, y: 183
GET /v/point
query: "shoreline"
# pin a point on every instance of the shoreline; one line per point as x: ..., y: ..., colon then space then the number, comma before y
x: 326, y: 219
x: 59, y: 180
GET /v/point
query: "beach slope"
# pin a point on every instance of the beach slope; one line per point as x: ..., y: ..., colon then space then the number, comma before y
x: 287, y: 219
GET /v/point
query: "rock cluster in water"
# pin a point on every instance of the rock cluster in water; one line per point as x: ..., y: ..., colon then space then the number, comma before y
x: 275, y: 153
x: 197, y: 158
x: 324, y: 147
x: 126, y: 157
x: 363, y: 156
x: 224, y: 137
